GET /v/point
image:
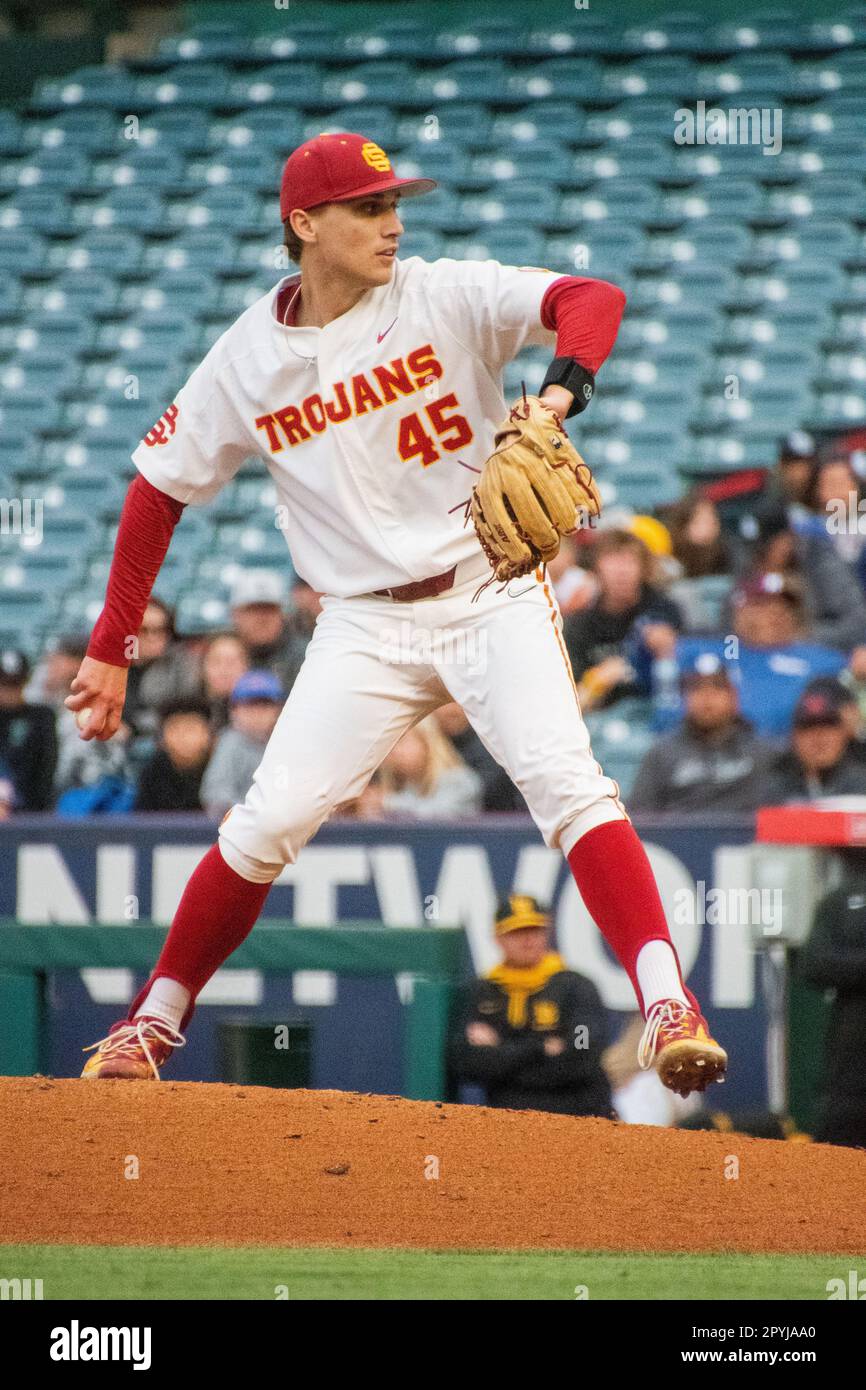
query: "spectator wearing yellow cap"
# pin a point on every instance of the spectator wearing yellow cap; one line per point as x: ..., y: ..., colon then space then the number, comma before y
x: 532, y: 1032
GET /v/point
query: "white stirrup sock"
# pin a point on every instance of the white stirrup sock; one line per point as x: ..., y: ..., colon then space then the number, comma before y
x: 658, y: 975
x: 168, y: 1000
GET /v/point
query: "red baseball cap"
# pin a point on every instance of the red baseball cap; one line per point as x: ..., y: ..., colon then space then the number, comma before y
x: 334, y: 168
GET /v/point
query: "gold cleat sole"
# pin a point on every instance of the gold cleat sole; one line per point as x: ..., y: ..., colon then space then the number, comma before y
x: 118, y: 1071
x: 690, y: 1065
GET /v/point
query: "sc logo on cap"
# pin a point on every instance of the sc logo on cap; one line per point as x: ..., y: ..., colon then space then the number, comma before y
x: 376, y: 157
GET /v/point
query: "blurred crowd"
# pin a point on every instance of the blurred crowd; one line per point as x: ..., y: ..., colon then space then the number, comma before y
x: 730, y: 625
x: 198, y: 714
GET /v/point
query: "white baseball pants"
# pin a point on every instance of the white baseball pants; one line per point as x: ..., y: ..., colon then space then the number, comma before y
x: 375, y: 667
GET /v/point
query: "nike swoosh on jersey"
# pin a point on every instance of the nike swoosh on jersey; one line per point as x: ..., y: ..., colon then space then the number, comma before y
x: 387, y: 331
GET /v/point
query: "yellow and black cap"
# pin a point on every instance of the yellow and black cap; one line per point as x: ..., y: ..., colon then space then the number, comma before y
x: 517, y: 911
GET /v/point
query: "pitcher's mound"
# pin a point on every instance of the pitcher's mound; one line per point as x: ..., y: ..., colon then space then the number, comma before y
x: 141, y: 1163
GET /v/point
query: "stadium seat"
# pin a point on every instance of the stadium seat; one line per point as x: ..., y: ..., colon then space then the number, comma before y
x: 46, y: 169
x: 591, y: 35
x: 110, y: 416
x: 10, y: 300
x: 631, y: 159
x: 477, y: 37
x: 89, y: 131
x: 656, y: 76
x: 701, y: 243
x: 680, y: 33
x: 214, y: 250
x: 132, y: 208
x: 421, y: 241
x: 50, y: 377
x: 390, y: 81
x: 440, y: 160
x: 251, y: 541
x: 49, y: 573
x: 439, y: 209
x: 826, y: 36
x: 545, y: 120
x: 30, y: 412
x: 670, y: 294
x: 627, y: 201
x: 20, y: 252
x: 309, y: 39
x: 812, y: 243
x: 12, y: 133
x: 605, y: 251
x: 834, y: 409
x: 229, y: 209
x: 510, y: 245
x: 44, y: 210
x: 560, y: 80
x: 170, y: 332
x: 522, y: 202
x: 842, y: 371
x: 114, y: 253
x: 111, y: 87
x: 405, y: 38
x: 463, y: 124
x: 714, y: 197
x: 83, y: 293
x: 236, y: 295
x: 29, y: 615
x: 153, y: 168
x: 259, y: 129
x: 179, y: 291
x: 209, y: 42
x: 201, y: 612
x: 188, y: 84
x: 144, y: 369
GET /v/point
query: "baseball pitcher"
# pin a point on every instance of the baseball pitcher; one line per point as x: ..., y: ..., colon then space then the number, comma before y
x: 409, y: 494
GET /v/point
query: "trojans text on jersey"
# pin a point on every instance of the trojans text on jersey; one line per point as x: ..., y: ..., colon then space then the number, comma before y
x: 370, y: 390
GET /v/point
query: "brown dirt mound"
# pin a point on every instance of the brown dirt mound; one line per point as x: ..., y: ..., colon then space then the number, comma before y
x: 230, y: 1165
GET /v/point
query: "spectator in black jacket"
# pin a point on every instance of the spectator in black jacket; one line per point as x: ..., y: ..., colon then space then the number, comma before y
x: 612, y: 642
x: 28, y: 737
x: 819, y: 761
x: 714, y: 761
x: 532, y: 1032
x: 171, y: 779
x: 834, y: 958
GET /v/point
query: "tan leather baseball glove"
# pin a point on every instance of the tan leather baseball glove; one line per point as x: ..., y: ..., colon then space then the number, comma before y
x: 533, y: 490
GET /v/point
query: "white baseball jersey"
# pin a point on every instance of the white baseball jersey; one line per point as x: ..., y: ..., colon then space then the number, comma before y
x: 366, y: 424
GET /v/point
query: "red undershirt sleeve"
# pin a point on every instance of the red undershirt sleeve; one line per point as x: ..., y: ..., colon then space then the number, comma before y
x: 147, y: 523
x: 586, y: 316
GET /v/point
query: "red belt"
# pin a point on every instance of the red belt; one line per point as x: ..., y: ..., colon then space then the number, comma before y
x: 423, y: 588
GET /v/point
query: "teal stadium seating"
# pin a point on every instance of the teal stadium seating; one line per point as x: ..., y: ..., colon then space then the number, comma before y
x: 127, y: 248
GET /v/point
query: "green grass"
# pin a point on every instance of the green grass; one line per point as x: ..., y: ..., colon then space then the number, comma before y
x: 107, y: 1272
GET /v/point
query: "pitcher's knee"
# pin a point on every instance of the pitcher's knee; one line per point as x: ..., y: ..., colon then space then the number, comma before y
x: 576, y: 824
x: 257, y: 841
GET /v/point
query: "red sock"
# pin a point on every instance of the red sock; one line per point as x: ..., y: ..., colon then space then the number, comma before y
x: 217, y: 912
x: 612, y: 871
